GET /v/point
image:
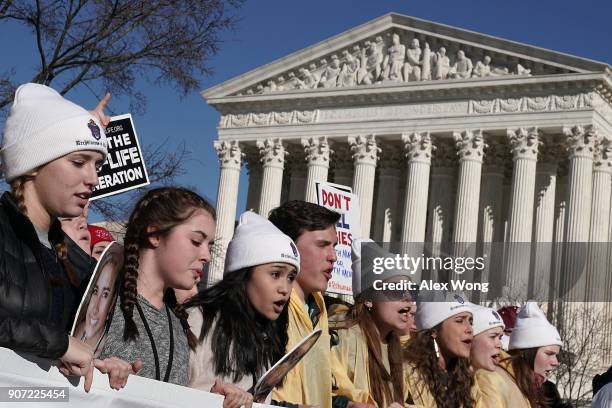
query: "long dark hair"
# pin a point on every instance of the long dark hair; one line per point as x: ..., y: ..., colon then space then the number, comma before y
x: 243, y: 342
x: 522, y: 362
x: 164, y: 208
x: 450, y: 388
x: 61, y: 249
x: 379, y: 377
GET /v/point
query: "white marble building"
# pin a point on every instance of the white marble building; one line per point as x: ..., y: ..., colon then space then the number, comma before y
x: 445, y: 135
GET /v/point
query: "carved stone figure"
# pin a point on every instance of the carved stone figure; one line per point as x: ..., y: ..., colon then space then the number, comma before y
x: 482, y: 68
x: 412, y: 67
x: 394, y: 60
x: 371, y: 62
x: 442, y: 64
x: 329, y: 79
x: 426, y: 64
x: 308, y: 81
x: 462, y: 67
x: 348, y: 74
x: 270, y: 86
x: 521, y: 70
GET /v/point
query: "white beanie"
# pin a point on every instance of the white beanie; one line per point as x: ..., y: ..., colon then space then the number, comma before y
x: 257, y: 241
x: 429, y: 314
x: 532, y: 329
x: 485, y: 318
x: 363, y: 275
x: 43, y: 126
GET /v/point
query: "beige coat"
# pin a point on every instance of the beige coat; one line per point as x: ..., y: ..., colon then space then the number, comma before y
x: 201, y: 366
x: 499, y: 388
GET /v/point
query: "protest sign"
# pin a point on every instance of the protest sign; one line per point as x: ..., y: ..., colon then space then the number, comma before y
x: 26, y: 381
x: 341, y: 199
x: 124, y: 168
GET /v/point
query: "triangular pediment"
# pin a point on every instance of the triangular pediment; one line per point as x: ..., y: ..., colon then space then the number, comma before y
x: 400, y: 49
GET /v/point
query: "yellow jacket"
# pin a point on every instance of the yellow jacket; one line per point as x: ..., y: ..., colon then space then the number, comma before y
x: 499, y: 388
x: 310, y: 381
x: 421, y: 394
x: 352, y: 354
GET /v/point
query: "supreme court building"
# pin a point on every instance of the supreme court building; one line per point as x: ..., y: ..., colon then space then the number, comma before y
x: 444, y: 134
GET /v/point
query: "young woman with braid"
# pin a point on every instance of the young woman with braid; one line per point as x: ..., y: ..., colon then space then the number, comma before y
x: 167, y: 243
x: 50, y: 153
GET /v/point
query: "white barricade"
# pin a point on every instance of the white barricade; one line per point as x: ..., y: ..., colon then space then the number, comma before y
x: 23, y: 370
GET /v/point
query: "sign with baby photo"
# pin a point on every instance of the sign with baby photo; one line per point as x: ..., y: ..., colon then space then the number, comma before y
x: 124, y: 168
x: 94, y: 314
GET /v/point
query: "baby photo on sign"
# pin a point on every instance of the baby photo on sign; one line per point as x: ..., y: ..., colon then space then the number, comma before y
x: 93, y: 316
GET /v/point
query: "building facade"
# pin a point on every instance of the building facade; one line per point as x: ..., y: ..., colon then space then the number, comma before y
x: 445, y: 135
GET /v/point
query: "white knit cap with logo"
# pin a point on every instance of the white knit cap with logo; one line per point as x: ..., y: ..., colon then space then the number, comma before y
x: 43, y: 126
x: 533, y: 329
x: 257, y: 241
x: 485, y: 318
x: 431, y: 313
x: 363, y: 275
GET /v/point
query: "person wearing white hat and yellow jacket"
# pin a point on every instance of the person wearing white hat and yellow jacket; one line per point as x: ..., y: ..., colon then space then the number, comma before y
x: 534, y: 346
x: 495, y: 383
x: 310, y: 382
x: 437, y: 370
x: 369, y: 347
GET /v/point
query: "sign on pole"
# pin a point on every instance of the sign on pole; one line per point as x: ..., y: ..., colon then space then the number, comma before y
x: 341, y: 199
x: 124, y: 168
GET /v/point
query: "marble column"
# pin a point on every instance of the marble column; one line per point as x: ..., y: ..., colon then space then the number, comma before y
x: 388, y: 186
x: 600, y: 221
x: 418, y: 148
x: 491, y: 220
x: 365, y: 154
x: 342, y: 164
x: 470, y: 148
x: 317, y: 159
x: 273, y: 160
x: 230, y: 158
x: 544, y: 218
x: 581, y: 142
x: 524, y: 144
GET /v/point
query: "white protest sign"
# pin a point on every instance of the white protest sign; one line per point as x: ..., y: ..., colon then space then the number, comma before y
x: 341, y: 199
x: 21, y: 372
x: 124, y: 168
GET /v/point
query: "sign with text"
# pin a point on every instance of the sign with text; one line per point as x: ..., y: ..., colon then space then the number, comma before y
x: 341, y: 199
x: 124, y: 168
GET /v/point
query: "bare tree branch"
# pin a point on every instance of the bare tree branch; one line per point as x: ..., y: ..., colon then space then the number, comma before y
x: 110, y: 44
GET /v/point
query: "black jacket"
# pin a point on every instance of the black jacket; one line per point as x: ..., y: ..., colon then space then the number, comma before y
x: 25, y: 289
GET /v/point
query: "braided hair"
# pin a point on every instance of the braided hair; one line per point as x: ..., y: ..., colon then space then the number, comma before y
x: 61, y: 249
x: 165, y: 208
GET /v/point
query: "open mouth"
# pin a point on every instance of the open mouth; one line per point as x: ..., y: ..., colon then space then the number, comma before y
x: 496, y: 359
x: 467, y: 342
x: 328, y: 273
x: 279, y: 305
x: 404, y: 313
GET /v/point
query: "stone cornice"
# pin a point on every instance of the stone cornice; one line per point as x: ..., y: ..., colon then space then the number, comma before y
x: 417, y: 92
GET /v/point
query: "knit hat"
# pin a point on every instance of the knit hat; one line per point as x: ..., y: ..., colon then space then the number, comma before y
x: 431, y: 313
x: 363, y: 273
x: 533, y: 330
x: 99, y: 234
x: 257, y: 241
x: 485, y: 318
x: 43, y: 126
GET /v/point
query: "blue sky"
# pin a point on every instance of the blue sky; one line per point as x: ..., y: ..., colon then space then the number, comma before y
x: 271, y: 29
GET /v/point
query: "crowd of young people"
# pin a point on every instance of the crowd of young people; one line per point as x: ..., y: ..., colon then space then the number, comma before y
x: 387, y: 350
